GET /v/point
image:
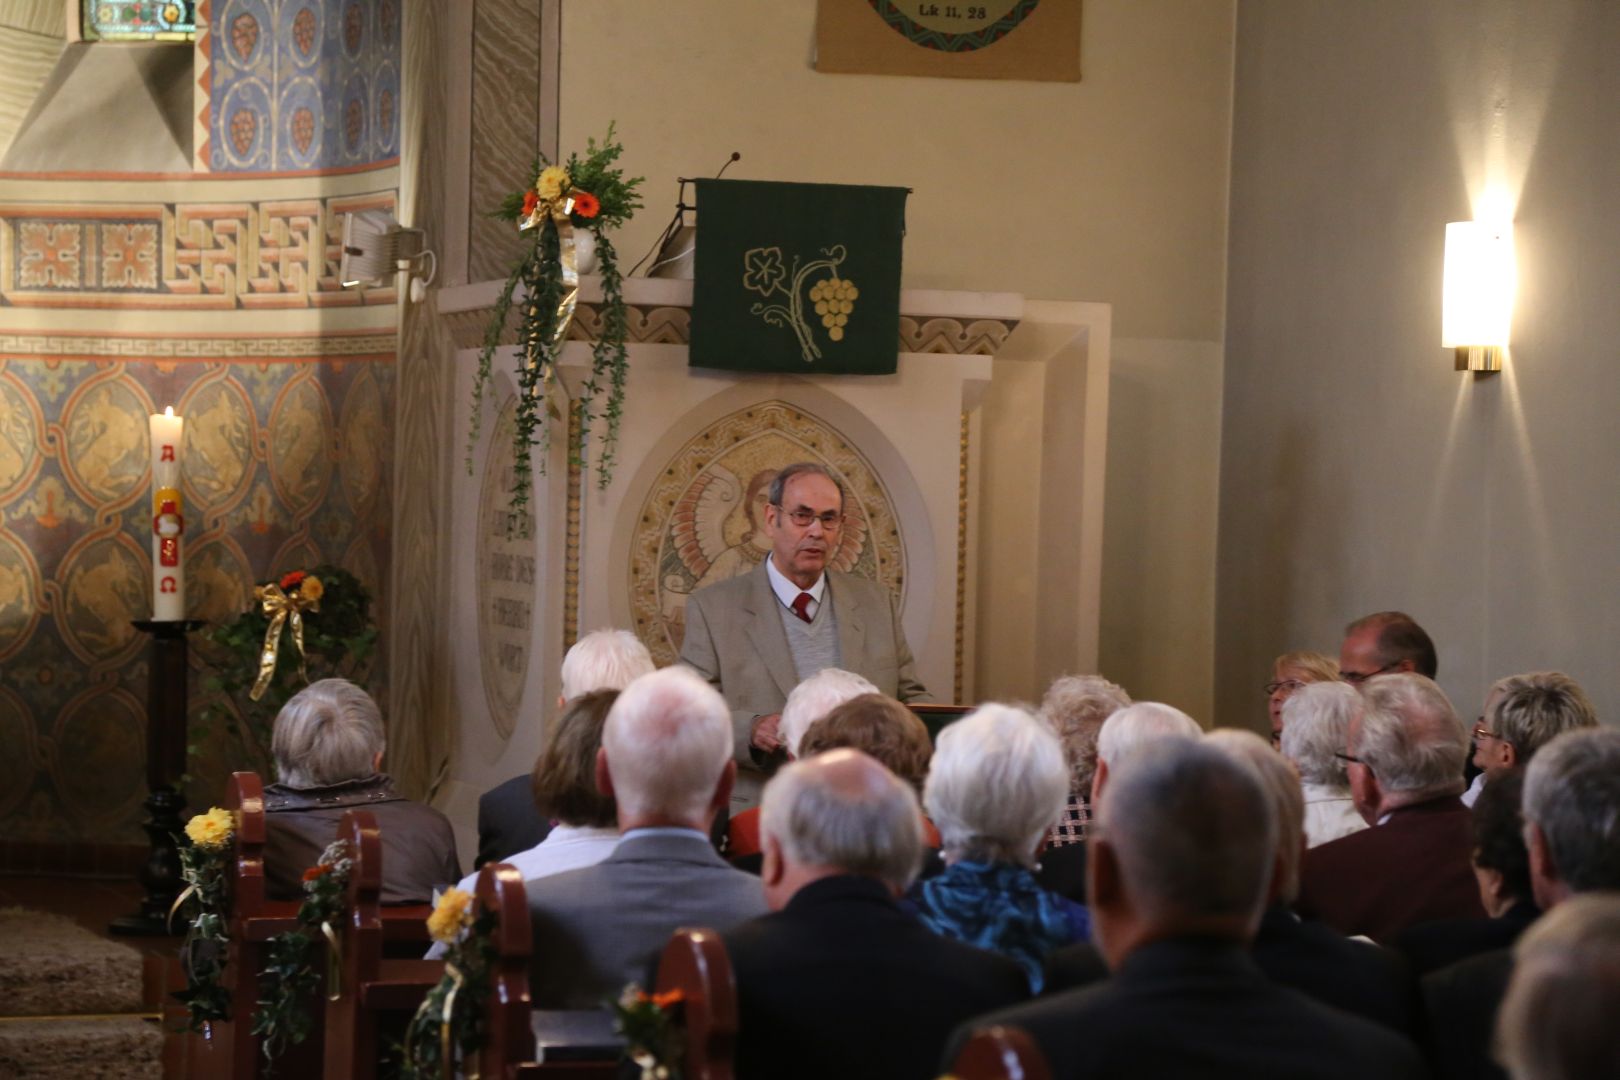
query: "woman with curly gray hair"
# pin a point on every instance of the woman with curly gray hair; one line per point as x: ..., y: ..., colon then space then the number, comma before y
x: 1076, y: 706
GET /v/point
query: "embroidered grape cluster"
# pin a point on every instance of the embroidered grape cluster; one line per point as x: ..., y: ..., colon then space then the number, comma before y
x: 834, y: 299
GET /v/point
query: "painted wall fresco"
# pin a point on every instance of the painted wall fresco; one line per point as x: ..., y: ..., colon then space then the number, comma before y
x: 286, y: 464
x: 298, y: 85
x: 181, y: 255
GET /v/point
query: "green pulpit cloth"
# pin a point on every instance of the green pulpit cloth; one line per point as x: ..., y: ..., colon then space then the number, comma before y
x: 801, y: 278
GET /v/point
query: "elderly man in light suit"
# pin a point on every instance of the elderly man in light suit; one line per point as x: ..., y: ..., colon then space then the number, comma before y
x: 666, y: 759
x: 756, y: 636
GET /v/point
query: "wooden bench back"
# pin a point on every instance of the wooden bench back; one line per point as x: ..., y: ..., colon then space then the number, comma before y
x: 1000, y: 1053
x: 695, y: 963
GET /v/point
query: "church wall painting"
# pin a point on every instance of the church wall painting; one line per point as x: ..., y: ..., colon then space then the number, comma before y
x: 285, y: 465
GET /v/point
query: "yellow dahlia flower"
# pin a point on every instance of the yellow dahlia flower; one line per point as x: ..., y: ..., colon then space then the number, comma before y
x: 312, y: 589
x: 450, y: 915
x: 553, y: 180
x: 211, y: 830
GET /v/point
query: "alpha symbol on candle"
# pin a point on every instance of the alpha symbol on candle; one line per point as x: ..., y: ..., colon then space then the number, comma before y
x: 167, y: 454
x: 167, y: 585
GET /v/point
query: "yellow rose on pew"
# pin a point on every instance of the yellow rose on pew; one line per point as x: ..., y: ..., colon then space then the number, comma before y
x: 450, y: 915
x: 211, y: 830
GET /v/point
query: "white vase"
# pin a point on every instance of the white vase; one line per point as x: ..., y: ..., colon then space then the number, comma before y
x: 584, y: 251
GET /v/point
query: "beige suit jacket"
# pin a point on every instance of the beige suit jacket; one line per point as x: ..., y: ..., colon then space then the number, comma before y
x: 734, y: 638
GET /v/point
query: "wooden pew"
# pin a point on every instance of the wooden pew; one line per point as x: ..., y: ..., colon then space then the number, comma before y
x: 370, y: 993
x: 1000, y: 1053
x: 695, y: 963
x: 508, y: 1050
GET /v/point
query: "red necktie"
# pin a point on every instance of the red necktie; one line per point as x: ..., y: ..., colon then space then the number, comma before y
x: 801, y: 605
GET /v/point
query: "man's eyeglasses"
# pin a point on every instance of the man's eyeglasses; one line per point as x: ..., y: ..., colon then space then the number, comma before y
x: 1481, y: 733
x: 830, y: 521
x: 1289, y: 685
x: 1356, y: 678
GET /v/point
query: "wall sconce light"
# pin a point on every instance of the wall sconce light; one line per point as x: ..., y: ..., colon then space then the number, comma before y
x: 1477, y: 312
x: 376, y: 247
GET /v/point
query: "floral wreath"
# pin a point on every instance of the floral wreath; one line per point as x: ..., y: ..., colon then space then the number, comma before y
x: 289, y: 978
x: 205, y: 867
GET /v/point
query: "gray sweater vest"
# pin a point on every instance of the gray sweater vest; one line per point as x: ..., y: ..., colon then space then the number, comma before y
x: 814, y: 644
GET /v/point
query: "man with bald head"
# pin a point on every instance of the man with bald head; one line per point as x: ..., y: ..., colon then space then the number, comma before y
x: 1386, y: 642
x: 1182, y: 855
x: 1412, y: 865
x: 839, y: 981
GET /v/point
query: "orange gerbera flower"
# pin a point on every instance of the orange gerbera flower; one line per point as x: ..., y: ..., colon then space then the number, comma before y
x: 668, y: 998
x: 316, y: 871
x: 531, y: 199
x: 586, y: 204
x: 290, y: 581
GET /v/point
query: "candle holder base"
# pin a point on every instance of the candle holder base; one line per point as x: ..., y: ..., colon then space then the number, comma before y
x: 165, y: 765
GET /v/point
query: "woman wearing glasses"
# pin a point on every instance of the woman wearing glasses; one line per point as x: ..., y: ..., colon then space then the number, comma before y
x: 1289, y: 672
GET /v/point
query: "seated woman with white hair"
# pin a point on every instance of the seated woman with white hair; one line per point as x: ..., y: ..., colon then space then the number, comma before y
x: 997, y: 783
x: 328, y: 745
x: 1316, y: 727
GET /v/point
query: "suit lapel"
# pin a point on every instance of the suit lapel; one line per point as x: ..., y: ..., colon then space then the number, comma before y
x: 766, y: 634
x: 851, y: 625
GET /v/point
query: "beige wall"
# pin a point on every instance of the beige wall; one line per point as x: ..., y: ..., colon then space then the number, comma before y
x: 1112, y: 190
x: 1359, y: 472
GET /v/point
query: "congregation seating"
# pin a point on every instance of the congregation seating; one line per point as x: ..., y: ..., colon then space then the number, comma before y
x: 1000, y: 1053
x: 370, y: 994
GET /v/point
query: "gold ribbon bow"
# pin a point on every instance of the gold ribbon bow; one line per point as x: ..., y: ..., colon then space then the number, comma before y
x: 447, y: 1029
x: 281, y: 609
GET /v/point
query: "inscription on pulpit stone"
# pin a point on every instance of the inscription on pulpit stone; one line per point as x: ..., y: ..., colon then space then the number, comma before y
x: 506, y: 579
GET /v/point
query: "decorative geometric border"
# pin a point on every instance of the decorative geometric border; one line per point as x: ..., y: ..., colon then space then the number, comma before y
x: 942, y: 41
x: 238, y: 255
x: 650, y: 324
x: 961, y: 551
x: 313, y: 348
x: 576, y: 489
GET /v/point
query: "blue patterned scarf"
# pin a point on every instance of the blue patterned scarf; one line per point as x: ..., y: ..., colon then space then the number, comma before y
x: 1000, y: 906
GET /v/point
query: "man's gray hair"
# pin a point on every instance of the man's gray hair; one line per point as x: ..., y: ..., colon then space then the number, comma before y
x: 1572, y: 794
x: 1557, y: 1018
x: 817, y: 696
x: 1529, y: 711
x: 1316, y: 728
x: 874, y: 829
x: 1194, y: 831
x: 328, y: 732
x: 1410, y: 737
x: 1139, y: 725
x: 778, y: 489
x: 997, y: 783
x: 1076, y: 706
x: 667, y: 738
x: 1282, y: 784
x: 604, y: 660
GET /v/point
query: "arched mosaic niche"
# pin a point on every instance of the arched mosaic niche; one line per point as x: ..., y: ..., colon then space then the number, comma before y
x: 702, y: 518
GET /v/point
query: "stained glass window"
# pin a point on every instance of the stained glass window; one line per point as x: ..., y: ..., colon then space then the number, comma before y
x: 140, y: 20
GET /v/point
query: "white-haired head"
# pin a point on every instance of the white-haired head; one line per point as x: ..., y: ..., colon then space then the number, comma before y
x: 1287, y: 799
x: 604, y: 660
x: 1316, y: 730
x: 843, y: 812
x: 997, y: 783
x: 1129, y: 730
x: 1076, y: 706
x: 1409, y: 744
x: 328, y: 732
x: 667, y: 744
x: 817, y: 696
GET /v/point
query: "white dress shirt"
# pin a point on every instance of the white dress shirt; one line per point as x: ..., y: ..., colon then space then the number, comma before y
x: 787, y: 592
x: 1329, y: 814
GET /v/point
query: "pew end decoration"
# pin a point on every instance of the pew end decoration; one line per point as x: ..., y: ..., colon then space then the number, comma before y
x: 567, y: 212
x: 449, y: 1025
x: 205, y: 866
x: 655, y: 1038
x: 290, y: 980
x: 305, y: 626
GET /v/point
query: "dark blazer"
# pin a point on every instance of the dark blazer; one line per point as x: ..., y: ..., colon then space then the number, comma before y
x: 508, y: 821
x: 1200, y: 1007
x: 1321, y: 963
x: 1462, y: 1001
x: 1432, y: 946
x: 1413, y: 868
x: 842, y: 983
x: 601, y: 927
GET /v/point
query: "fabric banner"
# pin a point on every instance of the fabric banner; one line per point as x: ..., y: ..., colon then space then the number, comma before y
x: 801, y: 278
x: 1037, y: 40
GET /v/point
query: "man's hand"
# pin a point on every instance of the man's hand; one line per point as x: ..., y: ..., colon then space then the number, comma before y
x: 767, y: 735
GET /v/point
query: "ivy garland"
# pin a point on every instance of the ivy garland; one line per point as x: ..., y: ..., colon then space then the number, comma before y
x: 289, y: 979
x: 589, y: 193
x: 451, y: 1018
